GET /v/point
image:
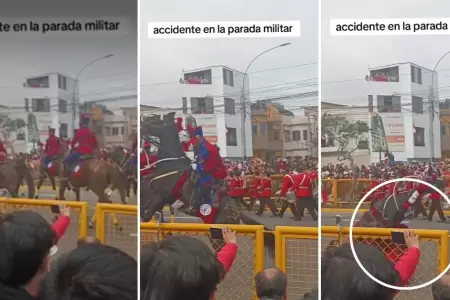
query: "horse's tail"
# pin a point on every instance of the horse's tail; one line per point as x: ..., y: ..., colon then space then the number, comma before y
x: 269, y: 237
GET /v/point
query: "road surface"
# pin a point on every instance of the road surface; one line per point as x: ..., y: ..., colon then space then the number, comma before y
x: 125, y: 239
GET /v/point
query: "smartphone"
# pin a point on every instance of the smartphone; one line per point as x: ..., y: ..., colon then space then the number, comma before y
x: 216, y: 233
x: 398, y: 237
x: 55, y: 209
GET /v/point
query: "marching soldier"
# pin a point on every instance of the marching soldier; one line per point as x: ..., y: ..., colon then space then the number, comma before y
x: 254, y: 188
x: 285, y: 192
x: 304, y: 195
x: 266, y: 193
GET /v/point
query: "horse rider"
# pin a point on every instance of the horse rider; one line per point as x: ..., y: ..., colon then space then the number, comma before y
x: 210, y: 169
x: 83, y: 144
x: 304, y: 195
x: 51, y: 150
x: 286, y: 187
x: 3, y: 152
x: 265, y: 196
x: 147, y: 160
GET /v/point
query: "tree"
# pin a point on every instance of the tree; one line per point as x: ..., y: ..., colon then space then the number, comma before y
x: 11, y: 130
x: 338, y: 128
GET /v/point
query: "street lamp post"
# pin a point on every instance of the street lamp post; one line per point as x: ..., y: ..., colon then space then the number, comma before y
x: 431, y: 139
x: 243, y: 104
x: 75, y: 96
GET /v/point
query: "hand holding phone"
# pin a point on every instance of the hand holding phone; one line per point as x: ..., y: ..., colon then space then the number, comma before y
x: 398, y: 237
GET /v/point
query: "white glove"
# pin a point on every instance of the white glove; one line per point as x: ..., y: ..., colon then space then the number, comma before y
x: 194, y: 166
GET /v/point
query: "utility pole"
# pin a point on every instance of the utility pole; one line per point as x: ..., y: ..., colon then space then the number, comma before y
x: 431, y: 131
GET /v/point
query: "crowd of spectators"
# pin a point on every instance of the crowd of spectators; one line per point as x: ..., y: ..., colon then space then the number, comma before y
x: 32, y: 267
x: 275, y: 166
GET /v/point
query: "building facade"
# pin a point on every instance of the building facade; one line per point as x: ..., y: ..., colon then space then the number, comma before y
x: 300, y: 133
x: 212, y: 95
x: 52, y: 98
x: 400, y: 95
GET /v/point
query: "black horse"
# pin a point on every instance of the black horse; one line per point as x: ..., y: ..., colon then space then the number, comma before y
x: 172, y: 166
x: 389, y: 212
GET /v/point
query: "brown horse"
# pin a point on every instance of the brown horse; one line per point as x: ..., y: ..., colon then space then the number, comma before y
x: 96, y: 175
x: 12, y: 173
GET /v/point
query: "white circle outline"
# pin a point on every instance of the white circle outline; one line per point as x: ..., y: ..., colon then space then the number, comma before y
x: 355, y: 212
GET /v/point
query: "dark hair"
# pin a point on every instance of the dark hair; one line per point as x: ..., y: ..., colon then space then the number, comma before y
x: 178, y: 267
x: 352, y: 283
x: 440, y: 290
x: 270, y: 283
x: 25, y: 241
x: 95, y: 271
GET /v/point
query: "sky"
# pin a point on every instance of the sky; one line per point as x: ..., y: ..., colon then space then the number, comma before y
x: 162, y: 61
x: 28, y: 54
x: 348, y: 58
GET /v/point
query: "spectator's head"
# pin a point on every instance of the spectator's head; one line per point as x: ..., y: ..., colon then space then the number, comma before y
x: 441, y: 288
x: 178, y: 268
x: 271, y: 283
x: 352, y: 283
x: 94, y: 271
x: 26, y: 241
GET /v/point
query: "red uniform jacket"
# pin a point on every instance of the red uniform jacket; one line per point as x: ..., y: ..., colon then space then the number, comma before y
x: 213, y: 163
x: 52, y: 146
x: 86, y: 140
x: 302, y: 185
x: 286, y: 183
x: 266, y: 187
x: 236, y: 185
x: 254, y: 186
x: 378, y: 194
x: 146, y: 160
x: 135, y: 145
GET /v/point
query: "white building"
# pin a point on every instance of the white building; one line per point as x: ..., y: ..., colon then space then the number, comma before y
x: 52, y: 98
x: 300, y: 134
x: 400, y: 95
x: 212, y: 95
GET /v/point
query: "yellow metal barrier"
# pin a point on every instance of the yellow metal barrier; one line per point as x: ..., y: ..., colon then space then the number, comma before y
x: 78, y: 225
x: 297, y: 254
x: 238, y: 283
x: 343, y: 192
x: 433, y: 249
x: 124, y: 237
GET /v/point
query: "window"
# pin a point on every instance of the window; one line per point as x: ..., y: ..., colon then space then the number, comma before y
x: 62, y: 82
x: 287, y: 135
x: 231, y: 137
x: 370, y: 103
x: 38, y: 82
x: 443, y: 129
x: 202, y: 105
x: 122, y: 130
x: 388, y: 104
x: 107, y: 131
x: 63, y: 130
x: 416, y: 75
x: 40, y: 105
x: 20, y: 136
x: 255, y: 128
x: 419, y: 137
x: 115, y: 131
x: 417, y: 105
x: 62, y: 106
x: 305, y: 135
x: 230, y: 107
x: 296, y: 135
x: 276, y: 135
x: 363, y: 145
x: 200, y: 77
x: 262, y: 128
x: 386, y: 75
x: 228, y: 77
x: 27, y: 104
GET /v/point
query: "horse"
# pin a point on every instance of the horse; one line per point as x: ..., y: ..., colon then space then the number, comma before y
x: 121, y: 158
x: 57, y: 163
x: 96, y: 175
x: 174, y: 179
x: 12, y: 173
